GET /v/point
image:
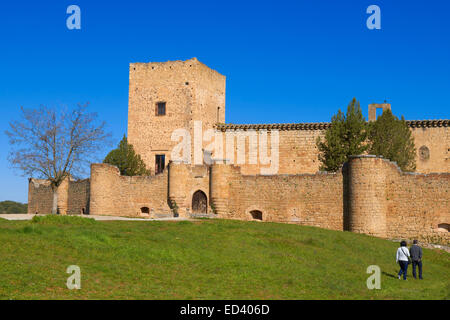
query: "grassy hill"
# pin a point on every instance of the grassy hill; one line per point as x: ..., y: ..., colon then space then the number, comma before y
x: 13, y: 207
x: 205, y: 259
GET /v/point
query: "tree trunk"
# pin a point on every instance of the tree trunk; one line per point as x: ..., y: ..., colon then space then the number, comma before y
x: 55, y: 201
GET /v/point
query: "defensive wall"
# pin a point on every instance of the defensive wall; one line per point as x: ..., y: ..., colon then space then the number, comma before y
x: 73, y: 196
x: 298, y: 153
x: 368, y: 195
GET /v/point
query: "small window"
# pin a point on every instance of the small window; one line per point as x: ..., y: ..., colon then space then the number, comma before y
x: 160, y: 161
x: 145, y: 210
x: 161, y: 109
x: 424, y: 153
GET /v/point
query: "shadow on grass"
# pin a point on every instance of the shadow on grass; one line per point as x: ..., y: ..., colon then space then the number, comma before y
x: 389, y: 275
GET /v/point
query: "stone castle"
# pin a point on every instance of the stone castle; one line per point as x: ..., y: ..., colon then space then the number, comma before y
x: 267, y: 172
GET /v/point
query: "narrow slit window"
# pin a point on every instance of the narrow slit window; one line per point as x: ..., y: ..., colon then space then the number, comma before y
x: 161, y: 109
x: 160, y: 161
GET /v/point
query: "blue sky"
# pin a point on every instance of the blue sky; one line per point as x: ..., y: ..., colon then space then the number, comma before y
x: 285, y: 61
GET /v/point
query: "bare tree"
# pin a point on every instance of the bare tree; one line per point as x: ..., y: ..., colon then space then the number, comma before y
x: 55, y: 144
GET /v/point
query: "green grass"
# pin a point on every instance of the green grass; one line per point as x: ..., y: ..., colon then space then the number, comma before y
x: 205, y: 259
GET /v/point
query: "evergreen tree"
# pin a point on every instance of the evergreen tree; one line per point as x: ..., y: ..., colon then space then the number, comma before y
x: 127, y: 160
x: 345, y: 137
x: 392, y: 139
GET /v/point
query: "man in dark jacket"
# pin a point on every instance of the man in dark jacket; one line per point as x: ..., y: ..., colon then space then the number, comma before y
x: 416, y: 257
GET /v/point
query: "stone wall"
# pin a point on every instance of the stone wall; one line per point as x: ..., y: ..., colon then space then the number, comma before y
x: 115, y: 195
x: 432, y: 149
x: 298, y: 152
x: 78, y: 197
x: 418, y: 205
x: 184, y: 181
x: 40, y: 196
x: 386, y: 202
x: 73, y: 197
x: 370, y: 195
x: 309, y: 199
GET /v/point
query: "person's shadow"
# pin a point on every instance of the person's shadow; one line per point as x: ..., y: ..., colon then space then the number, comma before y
x: 388, y: 274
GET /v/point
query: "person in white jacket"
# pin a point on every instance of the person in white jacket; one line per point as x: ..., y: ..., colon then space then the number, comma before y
x: 402, y: 259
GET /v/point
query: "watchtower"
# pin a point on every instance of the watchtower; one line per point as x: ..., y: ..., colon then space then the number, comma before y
x: 164, y: 97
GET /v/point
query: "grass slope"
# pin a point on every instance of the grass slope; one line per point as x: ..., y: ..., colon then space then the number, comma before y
x: 206, y: 259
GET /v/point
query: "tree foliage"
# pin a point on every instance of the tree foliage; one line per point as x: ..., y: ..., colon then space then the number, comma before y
x: 391, y: 138
x: 13, y: 207
x: 127, y: 160
x: 54, y: 144
x: 350, y: 134
x: 346, y: 136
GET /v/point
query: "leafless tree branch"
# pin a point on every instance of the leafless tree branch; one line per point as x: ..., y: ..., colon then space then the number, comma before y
x: 54, y: 144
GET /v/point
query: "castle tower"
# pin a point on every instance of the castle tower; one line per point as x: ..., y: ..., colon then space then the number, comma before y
x: 164, y: 97
x: 367, y: 204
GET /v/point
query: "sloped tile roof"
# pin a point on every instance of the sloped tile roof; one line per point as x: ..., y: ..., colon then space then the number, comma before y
x: 319, y: 125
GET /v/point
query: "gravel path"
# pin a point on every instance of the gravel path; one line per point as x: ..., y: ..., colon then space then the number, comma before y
x: 100, y: 218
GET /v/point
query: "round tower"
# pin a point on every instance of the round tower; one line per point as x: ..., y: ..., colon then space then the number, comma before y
x: 367, y: 204
x: 63, y: 196
x: 104, y: 189
x: 178, y: 174
x: 220, y: 188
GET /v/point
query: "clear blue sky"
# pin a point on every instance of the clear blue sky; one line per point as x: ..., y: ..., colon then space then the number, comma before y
x: 285, y: 61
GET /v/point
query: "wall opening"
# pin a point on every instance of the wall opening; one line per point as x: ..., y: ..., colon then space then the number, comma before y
x: 443, y: 227
x: 145, y: 210
x: 83, y: 211
x: 160, y: 162
x: 199, y: 202
x: 256, y: 215
x: 161, y: 108
x: 378, y: 112
x: 424, y: 153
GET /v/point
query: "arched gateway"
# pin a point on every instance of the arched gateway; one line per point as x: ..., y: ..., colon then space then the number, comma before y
x: 199, y: 202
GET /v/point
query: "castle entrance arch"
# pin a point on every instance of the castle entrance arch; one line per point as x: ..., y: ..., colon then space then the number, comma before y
x: 199, y: 202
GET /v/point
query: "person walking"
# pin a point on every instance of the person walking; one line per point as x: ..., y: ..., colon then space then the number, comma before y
x: 402, y: 258
x: 416, y: 257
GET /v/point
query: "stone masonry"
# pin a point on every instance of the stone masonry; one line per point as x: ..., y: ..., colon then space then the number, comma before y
x: 369, y: 195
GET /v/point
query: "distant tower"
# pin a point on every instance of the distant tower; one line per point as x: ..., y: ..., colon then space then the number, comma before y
x: 373, y: 109
x: 167, y: 96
